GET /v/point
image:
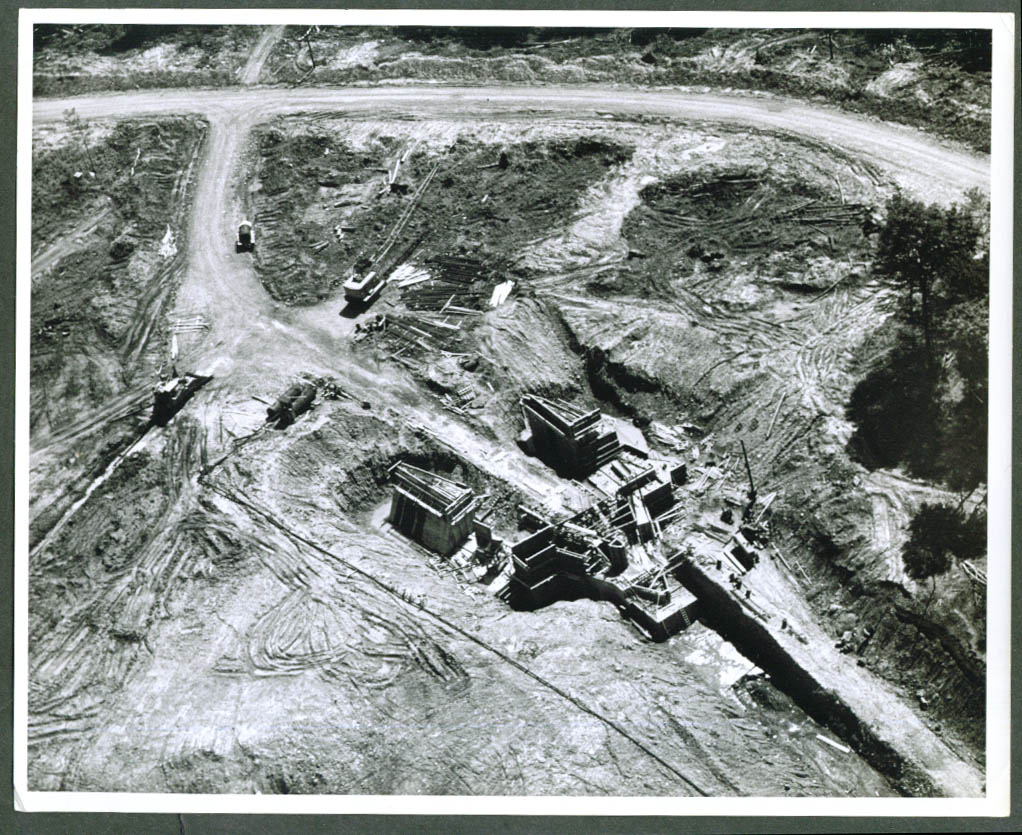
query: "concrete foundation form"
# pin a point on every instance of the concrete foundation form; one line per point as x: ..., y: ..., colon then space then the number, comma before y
x: 436, y: 512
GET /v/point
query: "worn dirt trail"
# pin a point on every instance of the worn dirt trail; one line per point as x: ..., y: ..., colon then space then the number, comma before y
x: 260, y: 52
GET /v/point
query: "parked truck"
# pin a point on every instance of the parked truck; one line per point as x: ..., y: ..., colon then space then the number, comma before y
x: 246, y: 237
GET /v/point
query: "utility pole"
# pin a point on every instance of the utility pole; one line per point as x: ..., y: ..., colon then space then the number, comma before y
x: 752, y: 484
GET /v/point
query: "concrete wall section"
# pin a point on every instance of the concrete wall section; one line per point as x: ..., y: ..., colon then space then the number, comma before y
x: 427, y: 527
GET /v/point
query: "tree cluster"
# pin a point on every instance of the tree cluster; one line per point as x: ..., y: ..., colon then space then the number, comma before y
x: 940, y: 535
x: 924, y: 404
x: 970, y: 49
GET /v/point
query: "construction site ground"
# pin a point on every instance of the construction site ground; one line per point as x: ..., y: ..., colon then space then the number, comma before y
x: 703, y: 272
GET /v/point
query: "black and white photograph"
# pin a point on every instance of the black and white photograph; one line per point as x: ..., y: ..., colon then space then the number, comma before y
x: 531, y: 407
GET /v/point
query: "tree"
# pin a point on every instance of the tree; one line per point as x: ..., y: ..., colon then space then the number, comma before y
x: 932, y: 252
x: 924, y: 403
x: 938, y: 536
x: 893, y: 410
x: 80, y: 131
x: 965, y: 407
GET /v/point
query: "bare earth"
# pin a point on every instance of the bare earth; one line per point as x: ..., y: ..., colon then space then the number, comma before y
x: 184, y: 719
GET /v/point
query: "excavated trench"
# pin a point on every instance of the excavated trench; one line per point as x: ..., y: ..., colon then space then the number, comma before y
x: 721, y: 610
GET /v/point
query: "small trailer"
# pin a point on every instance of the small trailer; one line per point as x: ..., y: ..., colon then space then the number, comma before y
x: 246, y: 237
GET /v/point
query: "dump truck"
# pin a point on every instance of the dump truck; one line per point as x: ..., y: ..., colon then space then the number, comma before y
x: 170, y: 396
x: 292, y: 403
x: 362, y: 290
x: 246, y: 237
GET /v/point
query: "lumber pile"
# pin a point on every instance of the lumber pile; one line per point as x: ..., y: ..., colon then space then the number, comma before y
x: 455, y: 282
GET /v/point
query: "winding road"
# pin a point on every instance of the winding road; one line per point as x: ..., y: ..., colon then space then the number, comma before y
x: 916, y: 161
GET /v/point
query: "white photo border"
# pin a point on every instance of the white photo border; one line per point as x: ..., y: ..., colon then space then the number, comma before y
x: 996, y: 801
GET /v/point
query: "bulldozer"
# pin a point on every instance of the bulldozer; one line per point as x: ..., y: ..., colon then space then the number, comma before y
x: 245, y: 241
x: 171, y: 395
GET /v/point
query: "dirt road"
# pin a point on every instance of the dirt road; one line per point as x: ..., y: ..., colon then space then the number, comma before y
x: 918, y: 162
x: 260, y: 52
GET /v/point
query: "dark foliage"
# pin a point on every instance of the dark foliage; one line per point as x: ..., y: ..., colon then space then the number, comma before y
x: 648, y: 35
x: 962, y: 459
x: 968, y: 48
x: 938, y: 535
x: 138, y: 37
x: 484, y: 38
x: 894, y: 410
x: 472, y: 37
x: 932, y: 252
x: 924, y: 404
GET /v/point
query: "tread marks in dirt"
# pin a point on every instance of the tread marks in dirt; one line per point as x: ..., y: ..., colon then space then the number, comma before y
x: 265, y: 515
x: 86, y: 656
x: 333, y: 621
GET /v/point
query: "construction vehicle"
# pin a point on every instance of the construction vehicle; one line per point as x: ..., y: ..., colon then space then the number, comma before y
x: 292, y: 403
x: 362, y: 290
x: 246, y: 237
x: 170, y: 396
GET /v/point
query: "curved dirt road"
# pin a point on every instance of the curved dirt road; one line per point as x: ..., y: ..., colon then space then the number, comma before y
x: 919, y: 163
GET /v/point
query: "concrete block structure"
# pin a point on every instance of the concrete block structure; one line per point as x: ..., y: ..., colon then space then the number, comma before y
x: 609, y: 551
x: 574, y: 441
x: 436, y: 512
